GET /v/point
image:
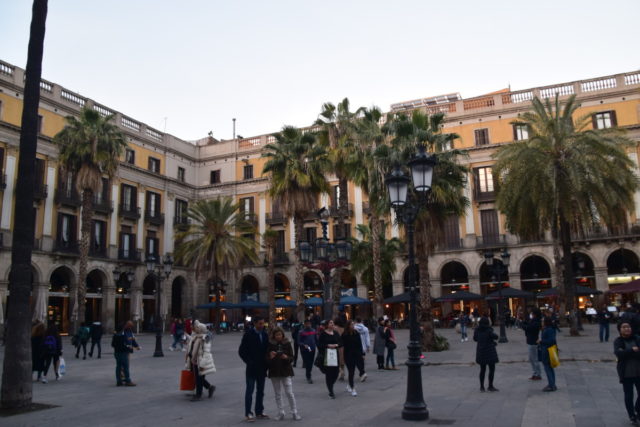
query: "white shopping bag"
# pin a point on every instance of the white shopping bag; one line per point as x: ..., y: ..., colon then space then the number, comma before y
x: 332, y: 357
x: 62, y: 367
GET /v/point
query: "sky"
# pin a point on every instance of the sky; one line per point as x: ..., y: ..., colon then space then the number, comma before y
x: 190, y: 67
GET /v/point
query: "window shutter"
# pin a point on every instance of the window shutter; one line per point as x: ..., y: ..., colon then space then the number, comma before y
x: 158, y: 204
x: 1, y: 159
x: 251, y: 211
x: 614, y: 121
x: 73, y: 224
x: 134, y: 198
x: 515, y: 132
x: 594, y: 121
x: 59, y: 228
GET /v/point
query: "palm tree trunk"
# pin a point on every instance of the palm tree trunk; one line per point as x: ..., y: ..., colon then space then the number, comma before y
x: 85, y: 233
x: 377, y: 268
x: 271, y: 286
x: 343, y: 213
x: 428, y: 335
x: 567, y: 276
x: 16, y: 389
x: 298, y: 224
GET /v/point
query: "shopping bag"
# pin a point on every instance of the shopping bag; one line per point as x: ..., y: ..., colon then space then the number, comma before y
x: 187, y: 380
x: 332, y: 357
x: 62, y: 367
x: 554, y: 359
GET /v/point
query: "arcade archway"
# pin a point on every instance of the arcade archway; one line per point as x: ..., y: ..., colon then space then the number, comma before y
x: 59, y: 304
x: 96, y: 281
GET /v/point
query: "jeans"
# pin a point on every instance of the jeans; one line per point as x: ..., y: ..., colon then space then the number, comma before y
x: 627, y: 387
x: 533, y: 359
x: 604, y: 332
x: 122, y: 367
x: 83, y: 345
x: 47, y: 362
x: 93, y: 344
x: 492, y: 371
x: 390, y: 359
x: 252, y: 381
x: 177, y: 339
x: 200, y: 381
x: 351, y: 368
x: 296, y: 348
x: 463, y: 331
x: 307, y: 359
x: 551, y: 374
x: 286, y: 383
x: 330, y: 376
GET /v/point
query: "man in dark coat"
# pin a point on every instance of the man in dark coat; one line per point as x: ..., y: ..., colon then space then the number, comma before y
x: 95, y: 330
x: 253, y: 352
x: 531, y: 328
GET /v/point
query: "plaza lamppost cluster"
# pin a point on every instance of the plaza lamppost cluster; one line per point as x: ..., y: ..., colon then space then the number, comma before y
x: 217, y: 288
x: 160, y: 271
x: 325, y: 256
x: 579, y: 271
x: 407, y: 208
x: 123, y: 284
x: 498, y: 271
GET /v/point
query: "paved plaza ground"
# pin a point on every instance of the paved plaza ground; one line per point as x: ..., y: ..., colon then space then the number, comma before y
x: 588, y: 390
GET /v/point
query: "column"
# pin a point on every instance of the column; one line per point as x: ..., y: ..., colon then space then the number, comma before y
x: 108, y: 308
x: 140, y: 232
x: 7, y: 195
x: 113, y: 219
x: 636, y: 196
x: 436, y: 288
x: 468, y: 211
x: 48, y: 204
x: 357, y: 207
x: 602, y: 275
x: 262, y: 217
x: 169, y: 213
x: 324, y: 200
x: 398, y: 287
x: 514, y: 280
x: 292, y: 235
x: 474, y: 284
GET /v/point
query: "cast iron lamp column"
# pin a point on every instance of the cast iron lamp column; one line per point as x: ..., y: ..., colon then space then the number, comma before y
x: 498, y: 271
x: 217, y: 287
x: 407, y: 210
x: 158, y: 270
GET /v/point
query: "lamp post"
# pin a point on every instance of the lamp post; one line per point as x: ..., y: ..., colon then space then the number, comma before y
x: 160, y: 270
x: 325, y: 256
x: 407, y: 209
x: 579, y: 272
x: 498, y: 270
x: 122, y: 285
x: 217, y: 287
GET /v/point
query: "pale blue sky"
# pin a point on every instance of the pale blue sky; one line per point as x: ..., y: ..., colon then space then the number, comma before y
x: 270, y: 63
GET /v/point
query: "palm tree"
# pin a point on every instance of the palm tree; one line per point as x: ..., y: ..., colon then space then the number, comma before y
x: 16, y: 373
x: 216, y: 241
x: 445, y: 199
x: 296, y: 165
x: 362, y: 254
x: 90, y: 147
x: 566, y: 178
x: 337, y: 135
x: 270, y: 240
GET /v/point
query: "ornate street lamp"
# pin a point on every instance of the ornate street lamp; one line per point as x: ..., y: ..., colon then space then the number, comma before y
x: 407, y: 209
x: 217, y: 287
x: 160, y: 271
x: 499, y: 269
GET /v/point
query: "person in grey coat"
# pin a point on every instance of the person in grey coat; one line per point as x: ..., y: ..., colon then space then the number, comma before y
x: 486, y: 354
x: 379, y: 343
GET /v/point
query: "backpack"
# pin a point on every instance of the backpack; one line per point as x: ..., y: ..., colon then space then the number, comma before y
x: 83, y: 334
x: 50, y: 344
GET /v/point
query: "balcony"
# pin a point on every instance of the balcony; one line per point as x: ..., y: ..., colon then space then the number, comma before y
x: 181, y: 223
x: 3, y: 181
x: 491, y: 241
x: 102, y: 206
x: 484, y: 196
x: 281, y: 258
x: 366, y: 208
x: 40, y: 191
x: 67, y: 197
x: 275, y: 218
x: 132, y: 255
x: 154, y: 217
x: 98, y: 252
x: 335, y: 211
x: 451, y: 245
x: 66, y: 247
x: 251, y: 218
x: 129, y: 212
x: 601, y: 234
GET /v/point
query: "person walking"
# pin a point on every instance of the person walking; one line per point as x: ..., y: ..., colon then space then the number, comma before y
x: 627, y: 350
x: 307, y: 339
x: 486, y: 354
x: 178, y: 335
x: 380, y: 343
x: 531, y: 328
x: 52, y: 346
x: 365, y: 338
x: 547, y: 339
x: 253, y: 352
x: 200, y: 360
x: 353, y: 353
x: 279, y: 366
x: 330, y: 340
x: 295, y: 330
x: 390, y: 345
x: 82, y: 338
x: 121, y: 351
x: 604, y: 317
x: 96, y: 331
x: 464, y: 323
x: 38, y: 331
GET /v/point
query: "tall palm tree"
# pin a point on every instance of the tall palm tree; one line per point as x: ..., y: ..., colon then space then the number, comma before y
x: 90, y: 147
x: 362, y: 254
x: 270, y: 240
x: 445, y: 199
x: 216, y: 240
x: 565, y: 177
x: 337, y: 134
x: 16, y: 373
x: 296, y: 165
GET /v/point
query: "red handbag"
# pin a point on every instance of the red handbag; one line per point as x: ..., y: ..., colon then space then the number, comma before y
x: 187, y: 380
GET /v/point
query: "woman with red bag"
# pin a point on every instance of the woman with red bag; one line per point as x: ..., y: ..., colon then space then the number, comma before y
x: 200, y: 360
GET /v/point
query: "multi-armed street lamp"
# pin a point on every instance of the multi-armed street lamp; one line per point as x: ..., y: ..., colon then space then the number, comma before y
x: 325, y: 256
x: 160, y: 270
x: 407, y: 208
x: 498, y: 271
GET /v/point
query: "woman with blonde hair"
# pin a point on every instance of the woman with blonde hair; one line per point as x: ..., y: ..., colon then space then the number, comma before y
x: 200, y: 360
x: 280, y: 371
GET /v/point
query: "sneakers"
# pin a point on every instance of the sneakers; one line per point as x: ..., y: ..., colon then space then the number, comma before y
x: 354, y: 393
x: 280, y: 416
x: 363, y: 377
x: 535, y: 378
x: 309, y: 380
x: 130, y: 384
x: 195, y: 398
x: 212, y: 388
x: 492, y: 388
x: 262, y: 417
x: 44, y: 380
x: 349, y: 389
x: 482, y: 390
x: 249, y: 418
x: 297, y: 417
x: 549, y: 388
x: 331, y: 395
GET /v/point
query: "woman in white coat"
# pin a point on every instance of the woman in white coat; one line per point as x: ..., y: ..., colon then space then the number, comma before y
x: 200, y: 360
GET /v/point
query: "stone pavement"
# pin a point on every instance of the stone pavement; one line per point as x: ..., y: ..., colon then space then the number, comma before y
x: 588, y: 390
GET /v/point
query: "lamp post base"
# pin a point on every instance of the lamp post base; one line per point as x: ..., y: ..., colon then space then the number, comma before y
x: 415, y: 409
x: 503, y: 340
x: 158, y: 351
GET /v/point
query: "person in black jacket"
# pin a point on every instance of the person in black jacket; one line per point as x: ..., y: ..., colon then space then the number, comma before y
x: 121, y: 350
x: 295, y: 330
x: 353, y: 353
x: 486, y: 354
x: 330, y: 339
x: 627, y: 349
x: 531, y: 328
x: 603, y: 316
x: 253, y: 351
x: 52, y: 351
x: 95, y: 330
